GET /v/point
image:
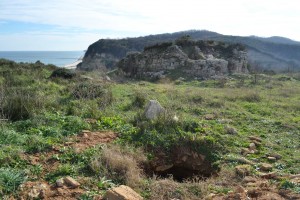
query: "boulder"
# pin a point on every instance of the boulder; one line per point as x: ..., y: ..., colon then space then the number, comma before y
x: 153, y: 109
x: 122, y: 192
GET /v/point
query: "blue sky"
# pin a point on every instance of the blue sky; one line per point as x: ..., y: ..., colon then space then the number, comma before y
x: 74, y: 25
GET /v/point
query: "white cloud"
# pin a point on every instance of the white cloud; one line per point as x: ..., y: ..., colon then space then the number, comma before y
x: 136, y: 17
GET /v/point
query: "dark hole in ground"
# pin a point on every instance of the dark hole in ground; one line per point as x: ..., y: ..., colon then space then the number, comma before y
x: 179, y: 174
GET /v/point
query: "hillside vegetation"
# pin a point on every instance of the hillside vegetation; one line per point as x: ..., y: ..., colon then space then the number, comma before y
x: 57, y: 123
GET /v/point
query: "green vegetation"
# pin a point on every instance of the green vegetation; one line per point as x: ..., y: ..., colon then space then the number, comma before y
x: 43, y: 117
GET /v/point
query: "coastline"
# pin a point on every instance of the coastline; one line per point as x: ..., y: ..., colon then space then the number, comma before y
x: 73, y: 65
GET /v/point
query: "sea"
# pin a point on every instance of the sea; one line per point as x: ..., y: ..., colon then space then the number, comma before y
x: 58, y: 58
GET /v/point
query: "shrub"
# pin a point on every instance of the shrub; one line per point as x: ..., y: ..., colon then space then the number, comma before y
x: 10, y: 180
x: 20, y: 103
x: 91, y: 90
x: 35, y: 144
x: 61, y: 171
x: 252, y: 97
x: 120, y: 165
x: 63, y: 73
x: 139, y: 100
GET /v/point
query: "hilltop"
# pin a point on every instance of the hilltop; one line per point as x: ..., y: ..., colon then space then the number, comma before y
x: 274, y: 53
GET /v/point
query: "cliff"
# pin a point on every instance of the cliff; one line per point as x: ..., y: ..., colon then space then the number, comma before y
x: 186, y: 58
x: 273, y: 53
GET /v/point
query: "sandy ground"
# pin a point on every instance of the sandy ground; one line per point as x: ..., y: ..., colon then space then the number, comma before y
x: 73, y: 65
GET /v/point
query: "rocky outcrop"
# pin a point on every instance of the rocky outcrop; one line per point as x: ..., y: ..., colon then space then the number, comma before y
x: 101, y: 61
x: 185, y: 57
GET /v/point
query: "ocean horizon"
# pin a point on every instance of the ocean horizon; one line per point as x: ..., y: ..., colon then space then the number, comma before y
x: 58, y: 58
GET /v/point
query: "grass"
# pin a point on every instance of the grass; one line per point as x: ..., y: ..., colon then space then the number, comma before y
x: 41, y: 113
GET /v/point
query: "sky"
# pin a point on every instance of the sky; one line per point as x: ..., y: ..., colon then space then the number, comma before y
x: 75, y: 24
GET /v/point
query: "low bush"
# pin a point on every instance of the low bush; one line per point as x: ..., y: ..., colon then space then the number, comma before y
x: 10, y: 180
x: 251, y: 97
x: 20, y: 104
x: 63, y: 73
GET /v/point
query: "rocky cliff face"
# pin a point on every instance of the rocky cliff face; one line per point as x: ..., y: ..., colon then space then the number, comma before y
x: 187, y: 58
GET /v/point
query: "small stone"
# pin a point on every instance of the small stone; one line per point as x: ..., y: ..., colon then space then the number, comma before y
x: 252, y: 146
x: 255, y: 138
x: 240, y: 189
x: 230, y: 130
x: 243, y: 170
x: 266, y: 167
x: 209, y: 116
x: 60, y: 182
x: 85, y: 135
x: 249, y: 179
x: 276, y: 155
x: 256, y: 143
x: 175, y: 119
x: 245, y: 151
x: 244, y: 161
x: 272, y: 159
x: 107, y: 78
x: 122, y: 192
x: 71, y: 182
x: 163, y: 168
x: 33, y: 193
x: 271, y: 175
x: 210, y: 196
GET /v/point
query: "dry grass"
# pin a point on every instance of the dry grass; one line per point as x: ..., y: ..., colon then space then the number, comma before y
x: 195, y: 188
x: 120, y: 164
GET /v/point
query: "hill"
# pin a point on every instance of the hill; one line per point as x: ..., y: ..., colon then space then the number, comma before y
x: 273, y: 53
x: 67, y: 135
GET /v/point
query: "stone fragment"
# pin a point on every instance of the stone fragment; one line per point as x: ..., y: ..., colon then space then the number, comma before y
x: 122, y: 193
x: 209, y: 116
x: 231, y: 130
x: 272, y: 159
x: 249, y: 179
x: 266, y: 167
x: 163, y: 168
x: 254, y: 138
x: 270, y: 175
x: 245, y: 151
x: 59, y: 182
x: 276, y: 155
x: 252, y: 146
x: 71, y: 182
